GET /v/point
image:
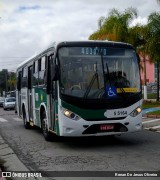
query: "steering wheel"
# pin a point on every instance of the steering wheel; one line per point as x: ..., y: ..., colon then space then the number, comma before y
x: 74, y: 87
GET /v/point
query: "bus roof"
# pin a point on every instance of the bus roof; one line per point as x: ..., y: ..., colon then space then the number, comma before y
x: 55, y: 45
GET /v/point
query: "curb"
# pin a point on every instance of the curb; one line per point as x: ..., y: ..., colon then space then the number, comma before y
x: 151, y: 116
x: 11, y: 161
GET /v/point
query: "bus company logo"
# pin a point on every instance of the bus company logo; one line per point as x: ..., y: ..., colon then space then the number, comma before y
x: 6, y: 174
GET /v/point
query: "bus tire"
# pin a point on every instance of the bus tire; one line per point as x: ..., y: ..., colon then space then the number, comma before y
x: 26, y: 124
x: 44, y: 125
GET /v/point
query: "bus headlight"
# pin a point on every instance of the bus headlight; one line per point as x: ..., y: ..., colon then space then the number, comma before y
x: 70, y: 114
x: 136, y: 112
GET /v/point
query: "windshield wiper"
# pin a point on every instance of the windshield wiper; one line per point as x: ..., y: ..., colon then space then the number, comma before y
x: 90, y: 85
x: 108, y: 74
x: 95, y: 76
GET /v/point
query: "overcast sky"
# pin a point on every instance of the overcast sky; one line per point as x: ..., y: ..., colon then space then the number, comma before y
x: 27, y: 26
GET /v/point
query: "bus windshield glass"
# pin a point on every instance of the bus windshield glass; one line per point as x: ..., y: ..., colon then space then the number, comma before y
x: 98, y: 72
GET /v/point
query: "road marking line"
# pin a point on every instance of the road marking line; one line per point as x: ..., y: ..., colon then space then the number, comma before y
x: 154, y: 120
x: 144, y: 117
x: 155, y: 127
x: 17, y: 119
x: 3, y: 120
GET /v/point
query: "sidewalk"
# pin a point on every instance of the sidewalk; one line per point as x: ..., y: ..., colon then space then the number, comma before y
x: 11, y: 161
x: 2, y: 178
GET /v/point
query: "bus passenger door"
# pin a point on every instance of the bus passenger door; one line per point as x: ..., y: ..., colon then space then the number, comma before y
x: 50, y: 98
x: 30, y: 105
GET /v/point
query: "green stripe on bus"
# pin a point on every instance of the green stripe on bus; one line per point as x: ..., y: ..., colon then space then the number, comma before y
x: 85, y: 113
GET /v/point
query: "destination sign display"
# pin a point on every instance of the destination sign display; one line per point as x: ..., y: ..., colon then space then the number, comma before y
x: 92, y: 51
x: 103, y: 51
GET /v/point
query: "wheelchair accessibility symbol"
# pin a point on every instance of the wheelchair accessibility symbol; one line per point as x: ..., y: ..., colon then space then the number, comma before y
x: 111, y: 91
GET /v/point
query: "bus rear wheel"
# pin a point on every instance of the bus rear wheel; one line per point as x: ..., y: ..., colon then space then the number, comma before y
x: 46, y: 133
x: 26, y: 124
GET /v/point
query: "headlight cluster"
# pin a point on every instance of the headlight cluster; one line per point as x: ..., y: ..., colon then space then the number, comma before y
x: 136, y: 112
x: 70, y: 114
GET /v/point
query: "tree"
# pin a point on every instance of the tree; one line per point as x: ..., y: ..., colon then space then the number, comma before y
x: 138, y: 36
x: 12, y: 81
x: 115, y: 26
x: 3, y: 80
x: 7, y: 81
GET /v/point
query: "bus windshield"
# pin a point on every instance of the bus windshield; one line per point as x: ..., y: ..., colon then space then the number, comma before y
x: 98, y: 72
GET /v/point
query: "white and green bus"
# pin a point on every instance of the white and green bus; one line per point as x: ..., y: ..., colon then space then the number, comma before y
x: 81, y: 88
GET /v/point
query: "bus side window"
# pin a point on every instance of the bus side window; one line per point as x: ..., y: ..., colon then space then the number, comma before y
x: 19, y: 81
x: 42, y: 69
x: 24, y: 77
x: 30, y: 76
x: 49, y: 73
x: 35, y: 73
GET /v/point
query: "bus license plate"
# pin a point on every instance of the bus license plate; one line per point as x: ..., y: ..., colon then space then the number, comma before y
x: 106, y: 127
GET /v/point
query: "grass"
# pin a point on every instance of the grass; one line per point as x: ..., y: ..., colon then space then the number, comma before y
x: 151, y: 104
x: 151, y: 96
x: 154, y: 113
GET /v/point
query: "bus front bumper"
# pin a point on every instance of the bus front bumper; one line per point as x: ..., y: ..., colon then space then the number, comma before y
x: 81, y: 127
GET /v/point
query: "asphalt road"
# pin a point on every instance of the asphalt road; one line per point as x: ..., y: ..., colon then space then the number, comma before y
x: 130, y: 152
